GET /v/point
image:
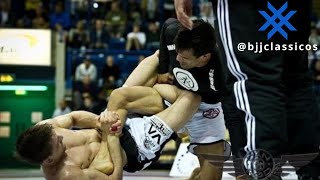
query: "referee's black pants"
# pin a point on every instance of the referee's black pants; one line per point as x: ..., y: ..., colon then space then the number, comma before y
x: 269, y: 92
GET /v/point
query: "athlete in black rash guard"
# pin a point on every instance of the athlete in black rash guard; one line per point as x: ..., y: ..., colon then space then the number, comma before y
x: 197, y: 71
x: 205, y: 82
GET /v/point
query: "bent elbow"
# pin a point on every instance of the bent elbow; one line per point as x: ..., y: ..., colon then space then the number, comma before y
x: 106, y: 168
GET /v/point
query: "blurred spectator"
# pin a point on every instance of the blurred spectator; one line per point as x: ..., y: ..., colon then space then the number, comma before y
x: 79, y: 36
x: 314, y: 37
x: 40, y: 21
x: 103, y: 96
x: 86, y: 69
x: 153, y: 36
x: 99, y: 10
x: 23, y: 23
x: 134, y: 13
x: 62, y: 109
x: 20, y: 23
x: 99, y: 37
x: 317, y: 70
x: 206, y: 11
x: 135, y: 39
x: 311, y: 58
x: 79, y: 9
x: 149, y: 9
x: 81, y: 87
x: 111, y: 74
x: 31, y: 7
x: 316, y: 76
x: 89, y: 104
x: 5, y: 15
x: 60, y: 19
x: 168, y: 9
x: 318, y: 24
x: 116, y: 21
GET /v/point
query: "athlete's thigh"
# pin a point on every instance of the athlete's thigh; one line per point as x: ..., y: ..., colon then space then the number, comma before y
x: 183, y: 108
x: 214, y: 149
x: 168, y: 92
x: 209, y: 171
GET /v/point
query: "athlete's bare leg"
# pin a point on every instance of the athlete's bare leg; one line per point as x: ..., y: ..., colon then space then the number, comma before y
x: 207, y: 170
x: 146, y: 100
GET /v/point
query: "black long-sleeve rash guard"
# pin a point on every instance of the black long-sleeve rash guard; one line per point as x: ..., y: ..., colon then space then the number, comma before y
x: 205, y: 81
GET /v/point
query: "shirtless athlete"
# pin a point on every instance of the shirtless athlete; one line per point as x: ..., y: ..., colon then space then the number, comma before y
x: 94, y: 154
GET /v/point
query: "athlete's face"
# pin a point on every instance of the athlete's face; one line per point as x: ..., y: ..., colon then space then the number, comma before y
x: 58, y: 147
x: 187, y: 60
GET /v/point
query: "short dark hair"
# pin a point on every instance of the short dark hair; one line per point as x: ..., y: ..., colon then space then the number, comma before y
x: 201, y: 38
x: 35, y: 144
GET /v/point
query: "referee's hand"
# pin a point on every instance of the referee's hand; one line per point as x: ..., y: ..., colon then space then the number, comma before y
x: 183, y: 11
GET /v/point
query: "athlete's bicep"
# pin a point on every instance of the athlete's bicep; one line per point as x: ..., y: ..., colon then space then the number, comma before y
x: 63, y: 121
x: 82, y: 119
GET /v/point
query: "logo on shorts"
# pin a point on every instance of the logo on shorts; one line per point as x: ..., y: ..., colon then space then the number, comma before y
x: 162, y: 129
x: 152, y: 138
x: 211, y: 113
x: 155, y: 133
x: 185, y: 79
x: 149, y: 143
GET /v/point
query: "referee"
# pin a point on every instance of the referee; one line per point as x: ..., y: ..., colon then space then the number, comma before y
x: 271, y: 89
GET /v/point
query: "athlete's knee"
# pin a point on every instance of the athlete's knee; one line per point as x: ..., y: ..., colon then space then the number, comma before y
x: 195, y: 98
x: 209, y: 172
x: 118, y: 97
x: 195, y: 174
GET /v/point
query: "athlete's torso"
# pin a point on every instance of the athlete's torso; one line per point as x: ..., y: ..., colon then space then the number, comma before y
x: 205, y: 81
x: 81, y: 148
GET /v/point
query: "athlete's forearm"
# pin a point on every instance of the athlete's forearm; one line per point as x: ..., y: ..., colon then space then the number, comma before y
x: 115, y: 151
x: 117, y: 103
x: 145, y: 74
x: 102, y: 161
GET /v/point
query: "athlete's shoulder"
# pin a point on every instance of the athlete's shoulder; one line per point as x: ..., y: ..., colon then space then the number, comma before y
x: 171, y: 22
x: 171, y: 27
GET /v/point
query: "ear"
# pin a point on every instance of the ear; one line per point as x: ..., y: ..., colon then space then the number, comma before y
x: 48, y: 161
x: 206, y: 57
